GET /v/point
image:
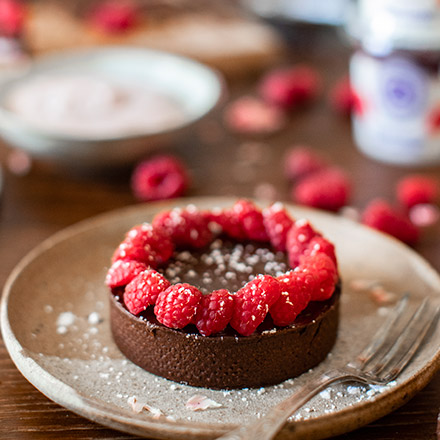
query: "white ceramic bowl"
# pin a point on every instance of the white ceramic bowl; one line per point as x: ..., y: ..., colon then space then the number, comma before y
x: 195, y: 87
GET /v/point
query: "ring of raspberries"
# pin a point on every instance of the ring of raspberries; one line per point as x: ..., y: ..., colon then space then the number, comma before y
x: 146, y: 247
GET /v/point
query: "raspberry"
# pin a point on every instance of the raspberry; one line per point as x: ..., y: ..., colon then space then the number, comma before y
x: 214, y: 312
x: 145, y: 243
x: 12, y: 15
x: 249, y: 115
x: 122, y: 272
x: 142, y: 290
x: 158, y: 178
x: 324, y: 272
x: 416, y: 189
x: 433, y: 121
x: 176, y: 306
x: 185, y: 227
x: 321, y: 245
x: 328, y: 189
x: 252, y: 302
x: 228, y: 223
x: 343, y: 98
x: 301, y: 161
x: 298, y: 239
x: 277, y: 222
x: 251, y: 220
x: 380, y: 215
x: 114, y: 16
x: 290, y: 87
x: 294, y: 298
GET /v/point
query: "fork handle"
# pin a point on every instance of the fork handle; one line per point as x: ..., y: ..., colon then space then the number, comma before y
x: 268, y: 426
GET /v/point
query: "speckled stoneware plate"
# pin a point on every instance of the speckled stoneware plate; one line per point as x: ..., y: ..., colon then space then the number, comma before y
x: 55, y: 325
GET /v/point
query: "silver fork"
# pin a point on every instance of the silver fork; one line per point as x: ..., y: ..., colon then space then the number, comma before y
x: 389, y: 352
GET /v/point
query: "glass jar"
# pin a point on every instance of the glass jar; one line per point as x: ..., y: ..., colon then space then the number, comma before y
x: 394, y: 73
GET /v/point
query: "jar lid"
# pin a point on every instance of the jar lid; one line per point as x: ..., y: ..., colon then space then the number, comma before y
x: 383, y: 25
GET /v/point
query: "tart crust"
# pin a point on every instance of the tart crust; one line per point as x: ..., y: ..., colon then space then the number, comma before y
x: 227, y: 360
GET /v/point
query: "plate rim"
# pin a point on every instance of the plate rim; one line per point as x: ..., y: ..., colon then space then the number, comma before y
x: 93, y: 410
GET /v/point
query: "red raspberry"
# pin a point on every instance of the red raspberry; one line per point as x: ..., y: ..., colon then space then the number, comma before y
x: 327, y: 189
x: 176, y: 306
x: 277, y: 222
x: 122, y: 272
x: 298, y: 239
x: 251, y: 220
x: 228, y: 223
x: 147, y: 244
x: 252, y: 302
x: 321, y: 245
x: 295, y: 296
x: 12, y: 15
x: 158, y: 178
x: 185, y: 227
x: 324, y: 273
x: 380, y: 215
x: 433, y: 121
x: 416, y: 189
x: 249, y: 115
x: 290, y: 87
x: 114, y: 16
x: 343, y: 98
x: 301, y: 161
x: 214, y: 312
x: 142, y: 290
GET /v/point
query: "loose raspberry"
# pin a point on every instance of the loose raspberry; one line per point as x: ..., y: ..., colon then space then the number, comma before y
x: 324, y: 273
x: 328, y: 189
x: 142, y: 290
x: 252, y: 302
x: 114, y: 16
x: 251, y: 220
x: 295, y: 296
x: 185, y: 227
x: 158, y: 178
x: 298, y: 239
x: 301, y: 161
x: 122, y: 272
x: 319, y: 245
x: 416, y: 189
x: 433, y: 121
x: 249, y: 115
x: 277, y: 222
x: 147, y: 244
x: 290, y: 87
x: 424, y: 215
x: 380, y: 215
x: 12, y: 15
x: 176, y: 306
x: 214, y: 312
x: 343, y: 99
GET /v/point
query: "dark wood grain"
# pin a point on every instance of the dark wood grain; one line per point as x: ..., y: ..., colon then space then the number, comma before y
x: 36, y: 205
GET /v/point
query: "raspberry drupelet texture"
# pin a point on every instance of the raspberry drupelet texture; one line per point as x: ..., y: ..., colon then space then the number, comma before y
x: 176, y: 306
x: 145, y: 243
x: 147, y: 247
x: 142, y: 290
x: 185, y: 227
x: 122, y: 272
x: 252, y: 303
x: 295, y: 296
x: 158, y: 178
x: 277, y: 222
x: 214, y: 312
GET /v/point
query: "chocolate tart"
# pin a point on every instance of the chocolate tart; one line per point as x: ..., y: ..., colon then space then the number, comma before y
x: 227, y: 360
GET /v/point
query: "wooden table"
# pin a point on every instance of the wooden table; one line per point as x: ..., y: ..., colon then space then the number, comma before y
x: 45, y: 200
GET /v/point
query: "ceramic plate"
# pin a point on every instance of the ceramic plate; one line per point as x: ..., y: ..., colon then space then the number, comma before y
x: 55, y: 325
